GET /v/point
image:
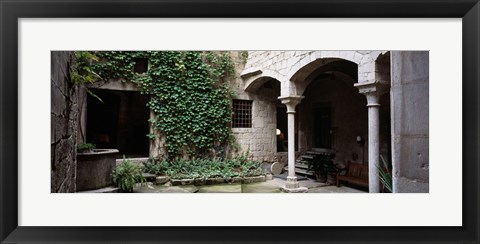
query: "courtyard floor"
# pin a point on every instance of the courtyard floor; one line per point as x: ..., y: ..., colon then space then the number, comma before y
x: 269, y: 186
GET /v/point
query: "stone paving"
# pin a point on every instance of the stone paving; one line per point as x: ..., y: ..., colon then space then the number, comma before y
x: 270, y: 186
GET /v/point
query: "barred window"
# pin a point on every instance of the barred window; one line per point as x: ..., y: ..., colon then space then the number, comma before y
x: 242, y: 114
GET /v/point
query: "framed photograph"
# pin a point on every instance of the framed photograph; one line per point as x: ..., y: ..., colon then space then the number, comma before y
x: 357, y: 85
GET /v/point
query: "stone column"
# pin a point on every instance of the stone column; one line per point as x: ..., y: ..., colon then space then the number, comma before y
x: 292, y: 184
x: 373, y: 91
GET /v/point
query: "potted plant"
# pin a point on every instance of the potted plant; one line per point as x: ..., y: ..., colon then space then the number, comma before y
x: 126, y: 175
x: 86, y: 147
x: 321, y: 166
x: 331, y: 172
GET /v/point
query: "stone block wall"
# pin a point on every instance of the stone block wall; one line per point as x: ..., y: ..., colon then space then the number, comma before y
x: 260, y: 140
x: 286, y: 64
x: 410, y: 121
x: 64, y: 117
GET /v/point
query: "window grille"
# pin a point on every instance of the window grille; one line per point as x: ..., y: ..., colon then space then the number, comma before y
x: 242, y: 114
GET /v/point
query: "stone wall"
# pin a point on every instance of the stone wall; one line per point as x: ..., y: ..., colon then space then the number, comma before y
x: 260, y: 140
x: 64, y: 117
x: 410, y: 121
x: 291, y: 68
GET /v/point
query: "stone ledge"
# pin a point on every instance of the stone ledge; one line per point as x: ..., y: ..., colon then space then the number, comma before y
x: 110, y: 189
x: 249, y: 72
x: 214, y: 181
x: 253, y: 179
x: 211, y: 181
x: 295, y: 190
x: 162, y: 179
x: 177, y: 182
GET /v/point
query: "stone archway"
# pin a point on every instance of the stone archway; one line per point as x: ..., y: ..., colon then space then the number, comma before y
x: 332, y: 115
x: 297, y: 69
x: 261, y: 92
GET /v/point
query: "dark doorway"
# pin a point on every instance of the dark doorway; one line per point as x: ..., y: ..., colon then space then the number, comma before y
x: 322, y: 127
x: 120, y: 121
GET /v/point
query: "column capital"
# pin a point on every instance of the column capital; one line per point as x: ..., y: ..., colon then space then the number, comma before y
x: 373, y: 91
x: 291, y: 101
x: 372, y: 88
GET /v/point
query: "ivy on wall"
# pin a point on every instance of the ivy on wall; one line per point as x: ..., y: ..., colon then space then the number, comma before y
x: 189, y: 95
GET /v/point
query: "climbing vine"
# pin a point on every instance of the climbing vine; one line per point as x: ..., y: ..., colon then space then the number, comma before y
x: 81, y: 71
x: 189, y: 95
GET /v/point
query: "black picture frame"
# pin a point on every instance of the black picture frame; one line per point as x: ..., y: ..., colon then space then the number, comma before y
x: 11, y: 11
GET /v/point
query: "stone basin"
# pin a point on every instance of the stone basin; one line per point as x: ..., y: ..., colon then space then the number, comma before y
x: 94, y: 169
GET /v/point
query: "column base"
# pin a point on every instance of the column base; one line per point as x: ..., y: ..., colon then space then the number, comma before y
x: 292, y: 186
x: 295, y: 190
x: 291, y: 182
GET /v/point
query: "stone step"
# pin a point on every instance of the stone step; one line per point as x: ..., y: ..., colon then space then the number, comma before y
x: 297, y: 166
x: 303, y: 171
x: 301, y: 166
x: 307, y: 157
x: 321, y: 151
x: 313, y: 153
x: 302, y: 162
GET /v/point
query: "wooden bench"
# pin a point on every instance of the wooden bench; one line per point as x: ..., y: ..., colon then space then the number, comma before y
x: 356, y: 173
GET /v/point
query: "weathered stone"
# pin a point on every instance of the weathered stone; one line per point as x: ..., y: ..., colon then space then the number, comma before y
x: 253, y: 179
x: 162, y: 179
x: 64, y: 119
x: 213, y: 181
x: 268, y: 177
x: 276, y: 168
x: 94, y: 170
x: 410, y: 132
x: 261, y: 188
x: 295, y: 190
x: 109, y: 189
x: 234, y: 180
x: 165, y: 189
x: 222, y: 188
x: 182, y: 182
x: 149, y: 177
x: 334, y: 189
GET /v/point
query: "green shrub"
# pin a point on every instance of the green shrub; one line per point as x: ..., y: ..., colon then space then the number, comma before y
x: 384, y: 173
x: 82, y: 147
x: 207, y: 168
x: 126, y: 175
x: 155, y: 167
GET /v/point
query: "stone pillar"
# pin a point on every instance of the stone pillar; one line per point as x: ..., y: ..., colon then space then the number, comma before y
x: 373, y: 91
x: 292, y: 184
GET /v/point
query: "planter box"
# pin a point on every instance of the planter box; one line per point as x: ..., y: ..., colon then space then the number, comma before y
x: 214, y: 181
x: 94, y: 169
x: 253, y: 179
x: 162, y: 179
x: 199, y: 181
x: 234, y: 180
x: 181, y: 182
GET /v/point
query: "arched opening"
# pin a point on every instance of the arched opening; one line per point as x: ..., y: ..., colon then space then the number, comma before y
x: 260, y: 139
x: 333, y: 115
